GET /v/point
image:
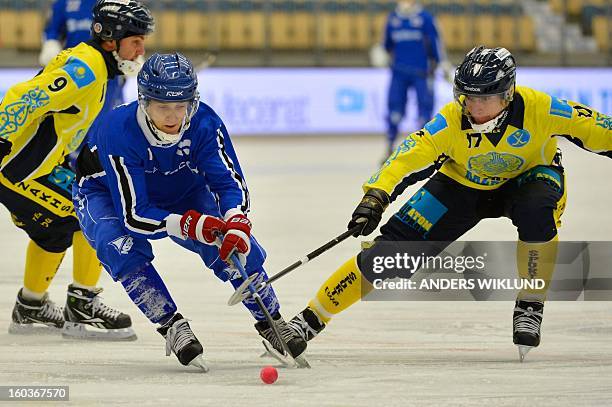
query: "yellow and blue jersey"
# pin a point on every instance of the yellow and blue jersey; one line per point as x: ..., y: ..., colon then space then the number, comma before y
x: 527, y: 138
x: 48, y: 116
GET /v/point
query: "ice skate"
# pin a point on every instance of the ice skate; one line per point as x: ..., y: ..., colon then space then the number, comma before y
x: 181, y: 341
x: 88, y: 318
x: 36, y: 316
x: 295, y: 343
x: 526, y: 324
x: 307, y: 324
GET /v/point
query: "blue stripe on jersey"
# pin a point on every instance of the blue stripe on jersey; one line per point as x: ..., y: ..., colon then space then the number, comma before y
x: 559, y: 107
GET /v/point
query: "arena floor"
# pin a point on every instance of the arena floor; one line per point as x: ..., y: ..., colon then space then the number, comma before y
x: 376, y: 353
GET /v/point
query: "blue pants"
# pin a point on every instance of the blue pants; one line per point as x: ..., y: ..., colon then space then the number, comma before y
x: 398, y: 99
x: 122, y: 253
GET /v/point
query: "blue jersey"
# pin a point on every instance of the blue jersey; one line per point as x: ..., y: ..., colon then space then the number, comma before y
x: 413, y: 40
x: 70, y: 21
x: 146, y: 180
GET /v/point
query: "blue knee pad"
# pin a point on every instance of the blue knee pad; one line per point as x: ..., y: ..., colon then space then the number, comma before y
x: 148, y: 291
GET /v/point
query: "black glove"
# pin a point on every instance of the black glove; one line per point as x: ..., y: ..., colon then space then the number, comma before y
x: 369, y: 211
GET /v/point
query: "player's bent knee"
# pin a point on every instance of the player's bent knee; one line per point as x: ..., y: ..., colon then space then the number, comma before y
x: 123, y: 254
x: 534, y: 223
x: 56, y: 244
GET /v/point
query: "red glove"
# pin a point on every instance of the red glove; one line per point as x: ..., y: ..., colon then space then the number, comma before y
x: 237, y: 238
x: 200, y: 227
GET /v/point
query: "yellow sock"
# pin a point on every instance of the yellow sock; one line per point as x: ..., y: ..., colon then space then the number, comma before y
x: 341, y: 290
x: 536, y: 261
x: 40, y: 268
x: 86, y: 267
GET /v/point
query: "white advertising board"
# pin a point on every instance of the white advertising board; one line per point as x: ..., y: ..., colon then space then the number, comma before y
x: 287, y: 101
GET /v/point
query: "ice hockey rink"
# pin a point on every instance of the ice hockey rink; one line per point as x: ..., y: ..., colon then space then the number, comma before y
x: 376, y: 353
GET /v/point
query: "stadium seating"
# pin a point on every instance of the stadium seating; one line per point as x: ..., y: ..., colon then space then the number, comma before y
x: 9, y: 28
x: 575, y: 7
x: 303, y: 25
x: 292, y: 25
x: 602, y: 31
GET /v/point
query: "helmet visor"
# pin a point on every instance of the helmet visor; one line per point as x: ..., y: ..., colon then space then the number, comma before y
x: 463, y: 97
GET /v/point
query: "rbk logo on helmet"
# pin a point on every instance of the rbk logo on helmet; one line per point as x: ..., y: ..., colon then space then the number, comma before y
x: 171, y: 93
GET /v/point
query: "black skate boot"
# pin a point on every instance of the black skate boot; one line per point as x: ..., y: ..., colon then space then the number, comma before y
x: 36, y: 317
x: 181, y: 341
x: 295, y: 343
x: 87, y: 317
x: 526, y: 325
x: 307, y: 324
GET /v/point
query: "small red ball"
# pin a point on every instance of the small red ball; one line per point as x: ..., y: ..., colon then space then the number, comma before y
x: 268, y: 374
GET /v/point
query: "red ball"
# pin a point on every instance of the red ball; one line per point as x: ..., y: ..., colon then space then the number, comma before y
x: 268, y: 374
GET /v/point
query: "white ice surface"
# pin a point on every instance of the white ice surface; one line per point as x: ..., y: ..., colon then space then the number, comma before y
x: 383, y: 353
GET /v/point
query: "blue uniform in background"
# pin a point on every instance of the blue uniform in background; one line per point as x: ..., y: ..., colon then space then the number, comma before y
x: 70, y: 23
x: 413, y: 42
x: 128, y: 185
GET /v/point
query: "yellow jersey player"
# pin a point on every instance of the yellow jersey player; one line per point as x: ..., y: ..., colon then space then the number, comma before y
x: 495, y: 152
x: 41, y: 121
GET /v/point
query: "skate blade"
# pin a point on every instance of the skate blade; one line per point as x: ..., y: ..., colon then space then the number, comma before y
x: 286, y: 360
x: 198, y: 362
x: 523, y: 350
x: 75, y: 330
x: 16, y: 328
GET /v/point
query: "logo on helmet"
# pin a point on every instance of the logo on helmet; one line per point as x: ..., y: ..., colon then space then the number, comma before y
x: 97, y: 28
x: 172, y: 93
x: 473, y: 89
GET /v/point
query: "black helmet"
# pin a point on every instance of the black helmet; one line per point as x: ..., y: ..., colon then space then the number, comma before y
x: 117, y: 19
x: 486, y: 71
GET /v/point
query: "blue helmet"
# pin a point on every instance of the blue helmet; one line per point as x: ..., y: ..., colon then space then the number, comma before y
x: 168, y: 78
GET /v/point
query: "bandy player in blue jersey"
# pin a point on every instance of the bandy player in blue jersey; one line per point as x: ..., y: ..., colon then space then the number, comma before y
x: 412, y: 40
x: 164, y: 166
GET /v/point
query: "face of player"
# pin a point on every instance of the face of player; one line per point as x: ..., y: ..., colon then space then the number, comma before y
x: 484, y: 108
x: 406, y: 6
x: 167, y: 117
x: 132, y: 47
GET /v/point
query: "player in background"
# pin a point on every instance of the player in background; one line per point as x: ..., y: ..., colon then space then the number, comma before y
x: 495, y: 152
x: 412, y: 41
x: 42, y: 120
x: 164, y: 166
x: 69, y: 24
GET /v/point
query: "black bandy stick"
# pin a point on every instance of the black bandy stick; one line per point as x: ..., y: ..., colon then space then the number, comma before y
x: 243, y: 291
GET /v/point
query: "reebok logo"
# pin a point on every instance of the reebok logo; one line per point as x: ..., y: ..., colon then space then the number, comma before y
x: 172, y: 93
x: 472, y: 89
